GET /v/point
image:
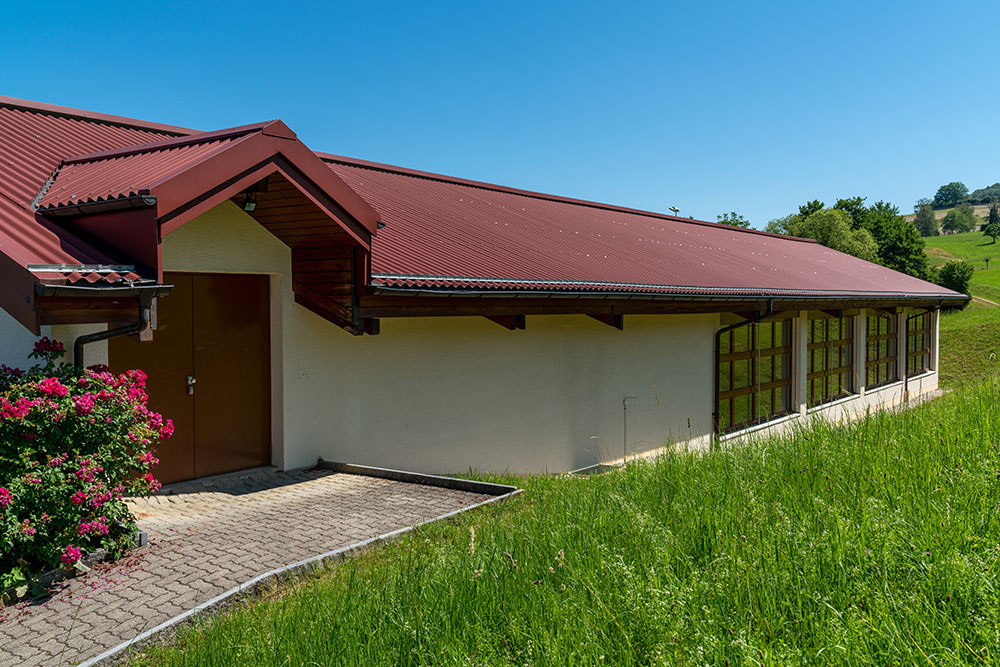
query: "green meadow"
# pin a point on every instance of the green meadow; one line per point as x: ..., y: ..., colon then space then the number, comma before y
x: 875, y: 543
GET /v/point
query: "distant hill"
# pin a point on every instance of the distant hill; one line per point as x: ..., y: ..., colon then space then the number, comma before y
x: 981, y: 210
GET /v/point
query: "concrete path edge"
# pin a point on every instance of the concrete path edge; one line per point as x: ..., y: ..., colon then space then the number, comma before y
x: 250, y: 588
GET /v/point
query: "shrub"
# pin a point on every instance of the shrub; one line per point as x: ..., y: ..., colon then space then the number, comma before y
x: 956, y: 276
x: 73, y: 442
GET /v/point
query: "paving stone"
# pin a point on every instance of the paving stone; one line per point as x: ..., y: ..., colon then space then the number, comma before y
x: 204, y: 540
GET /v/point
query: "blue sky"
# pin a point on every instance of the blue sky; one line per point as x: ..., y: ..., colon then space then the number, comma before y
x: 710, y: 107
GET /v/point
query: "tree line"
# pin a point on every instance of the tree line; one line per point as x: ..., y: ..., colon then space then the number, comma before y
x: 956, y: 192
x: 874, y: 232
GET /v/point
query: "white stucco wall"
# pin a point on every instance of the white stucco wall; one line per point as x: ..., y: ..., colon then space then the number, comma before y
x: 450, y: 394
x: 16, y: 342
x: 457, y: 393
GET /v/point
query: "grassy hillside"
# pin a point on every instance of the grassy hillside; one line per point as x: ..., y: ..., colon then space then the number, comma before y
x: 970, y: 339
x: 873, y: 544
x: 981, y: 210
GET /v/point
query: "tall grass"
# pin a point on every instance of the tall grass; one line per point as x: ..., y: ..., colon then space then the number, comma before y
x: 877, y: 543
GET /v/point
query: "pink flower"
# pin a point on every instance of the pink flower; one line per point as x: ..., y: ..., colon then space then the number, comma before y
x: 167, y: 429
x: 46, y: 345
x: 19, y: 409
x: 154, y: 484
x: 98, y: 526
x: 5, y: 498
x: 26, y: 528
x: 84, y: 404
x: 148, y: 458
x: 71, y: 554
x: 52, y: 386
x: 99, y: 499
x: 79, y: 497
x: 46, y: 518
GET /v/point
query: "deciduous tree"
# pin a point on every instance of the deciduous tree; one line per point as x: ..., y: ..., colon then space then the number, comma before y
x: 950, y: 194
x: 734, y: 219
x: 993, y: 222
x: 926, y: 222
x: 959, y: 220
x: 832, y: 228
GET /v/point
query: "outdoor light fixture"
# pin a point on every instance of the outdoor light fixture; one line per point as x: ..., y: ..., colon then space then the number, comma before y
x: 250, y: 202
x: 674, y: 210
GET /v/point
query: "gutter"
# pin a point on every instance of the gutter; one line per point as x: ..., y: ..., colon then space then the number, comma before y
x: 939, y: 299
x: 84, y: 208
x: 154, y: 290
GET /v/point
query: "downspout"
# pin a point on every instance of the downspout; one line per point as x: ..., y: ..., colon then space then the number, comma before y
x: 718, y: 338
x: 127, y: 330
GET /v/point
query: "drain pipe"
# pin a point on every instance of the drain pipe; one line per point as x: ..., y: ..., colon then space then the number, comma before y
x: 127, y: 330
x: 758, y: 316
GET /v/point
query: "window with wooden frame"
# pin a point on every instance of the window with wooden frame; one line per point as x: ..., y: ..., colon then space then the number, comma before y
x: 918, y: 344
x: 830, y: 359
x: 755, y: 374
x: 881, y: 345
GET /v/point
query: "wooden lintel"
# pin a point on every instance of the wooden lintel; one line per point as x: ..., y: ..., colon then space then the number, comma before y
x: 86, y: 310
x: 616, y: 320
x: 512, y: 322
x: 325, y: 308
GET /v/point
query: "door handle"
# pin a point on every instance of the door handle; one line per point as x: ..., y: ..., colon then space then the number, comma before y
x: 191, y: 380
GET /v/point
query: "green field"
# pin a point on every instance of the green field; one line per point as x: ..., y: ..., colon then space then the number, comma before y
x: 974, y: 247
x: 970, y: 339
x: 873, y: 544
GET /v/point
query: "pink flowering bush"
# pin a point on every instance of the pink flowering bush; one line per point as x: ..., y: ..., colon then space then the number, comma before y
x: 73, y: 442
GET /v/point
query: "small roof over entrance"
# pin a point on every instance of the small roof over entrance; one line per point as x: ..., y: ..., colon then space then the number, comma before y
x: 102, y: 215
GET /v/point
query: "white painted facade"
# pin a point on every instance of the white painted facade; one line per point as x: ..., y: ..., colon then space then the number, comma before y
x: 453, y: 394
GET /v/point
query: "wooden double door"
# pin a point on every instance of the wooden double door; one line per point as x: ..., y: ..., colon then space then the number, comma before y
x: 208, y: 370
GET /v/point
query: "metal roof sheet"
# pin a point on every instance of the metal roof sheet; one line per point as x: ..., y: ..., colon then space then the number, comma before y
x: 439, y: 232
x: 444, y: 233
x: 127, y: 175
x: 32, y: 144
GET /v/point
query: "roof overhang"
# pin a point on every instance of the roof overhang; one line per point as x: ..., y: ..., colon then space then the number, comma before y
x: 429, y: 302
x: 123, y: 202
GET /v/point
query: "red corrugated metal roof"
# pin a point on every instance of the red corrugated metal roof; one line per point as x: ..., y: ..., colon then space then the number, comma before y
x: 32, y: 144
x: 440, y: 232
x: 126, y: 175
x: 445, y: 233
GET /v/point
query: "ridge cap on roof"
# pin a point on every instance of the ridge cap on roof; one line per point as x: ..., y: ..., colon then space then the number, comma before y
x: 93, y: 116
x: 165, y: 144
x: 405, y: 171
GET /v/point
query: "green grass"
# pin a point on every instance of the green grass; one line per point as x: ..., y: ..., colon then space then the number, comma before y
x: 970, y: 339
x: 875, y: 544
x: 973, y: 247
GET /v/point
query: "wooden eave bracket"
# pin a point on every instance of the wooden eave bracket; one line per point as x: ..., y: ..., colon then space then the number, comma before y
x: 616, y: 320
x: 512, y: 322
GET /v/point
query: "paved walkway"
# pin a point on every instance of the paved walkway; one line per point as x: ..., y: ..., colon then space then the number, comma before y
x: 204, y: 539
